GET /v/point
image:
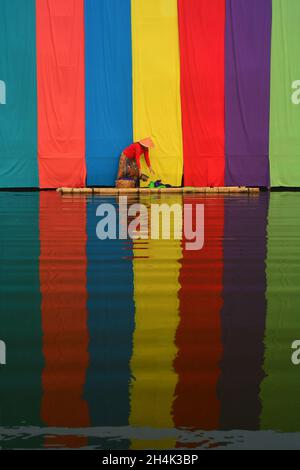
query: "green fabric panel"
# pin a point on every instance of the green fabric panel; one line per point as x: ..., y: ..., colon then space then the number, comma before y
x: 280, y: 389
x: 18, y: 102
x: 20, y: 313
x: 285, y: 116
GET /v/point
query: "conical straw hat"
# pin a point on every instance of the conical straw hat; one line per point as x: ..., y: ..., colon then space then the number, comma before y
x: 148, y: 143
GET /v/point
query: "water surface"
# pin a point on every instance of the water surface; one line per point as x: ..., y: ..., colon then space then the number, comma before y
x: 142, y: 344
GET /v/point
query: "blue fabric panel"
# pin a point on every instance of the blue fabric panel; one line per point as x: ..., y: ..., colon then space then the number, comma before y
x: 108, y: 59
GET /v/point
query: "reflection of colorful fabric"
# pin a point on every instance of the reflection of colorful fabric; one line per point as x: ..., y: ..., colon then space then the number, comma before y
x: 107, y: 387
x: 20, y: 304
x: 279, y: 392
x: 198, y: 337
x: 156, y: 269
x: 64, y: 316
x: 244, y: 310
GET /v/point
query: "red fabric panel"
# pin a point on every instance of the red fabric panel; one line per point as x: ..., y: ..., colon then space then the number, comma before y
x: 202, y: 49
x: 198, y: 337
x: 63, y: 268
x: 61, y: 97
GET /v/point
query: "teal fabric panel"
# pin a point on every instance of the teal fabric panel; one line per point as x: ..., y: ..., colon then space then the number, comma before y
x: 18, y: 102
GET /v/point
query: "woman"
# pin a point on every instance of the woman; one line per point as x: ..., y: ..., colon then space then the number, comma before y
x: 130, y: 160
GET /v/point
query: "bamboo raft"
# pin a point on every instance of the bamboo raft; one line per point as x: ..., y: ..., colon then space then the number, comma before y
x: 116, y: 191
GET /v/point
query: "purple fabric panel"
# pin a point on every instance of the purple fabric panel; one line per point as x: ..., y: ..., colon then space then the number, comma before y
x: 247, y: 91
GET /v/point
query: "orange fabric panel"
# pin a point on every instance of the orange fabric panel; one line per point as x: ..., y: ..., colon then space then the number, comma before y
x: 63, y: 268
x: 61, y: 96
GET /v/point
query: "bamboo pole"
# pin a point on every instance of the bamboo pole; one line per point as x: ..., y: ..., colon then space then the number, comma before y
x: 197, y: 190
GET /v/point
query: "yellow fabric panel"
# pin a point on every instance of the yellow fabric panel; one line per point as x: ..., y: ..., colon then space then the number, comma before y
x: 156, y: 85
x: 156, y: 286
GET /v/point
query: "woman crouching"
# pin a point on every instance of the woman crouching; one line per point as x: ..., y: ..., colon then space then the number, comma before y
x: 130, y: 160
